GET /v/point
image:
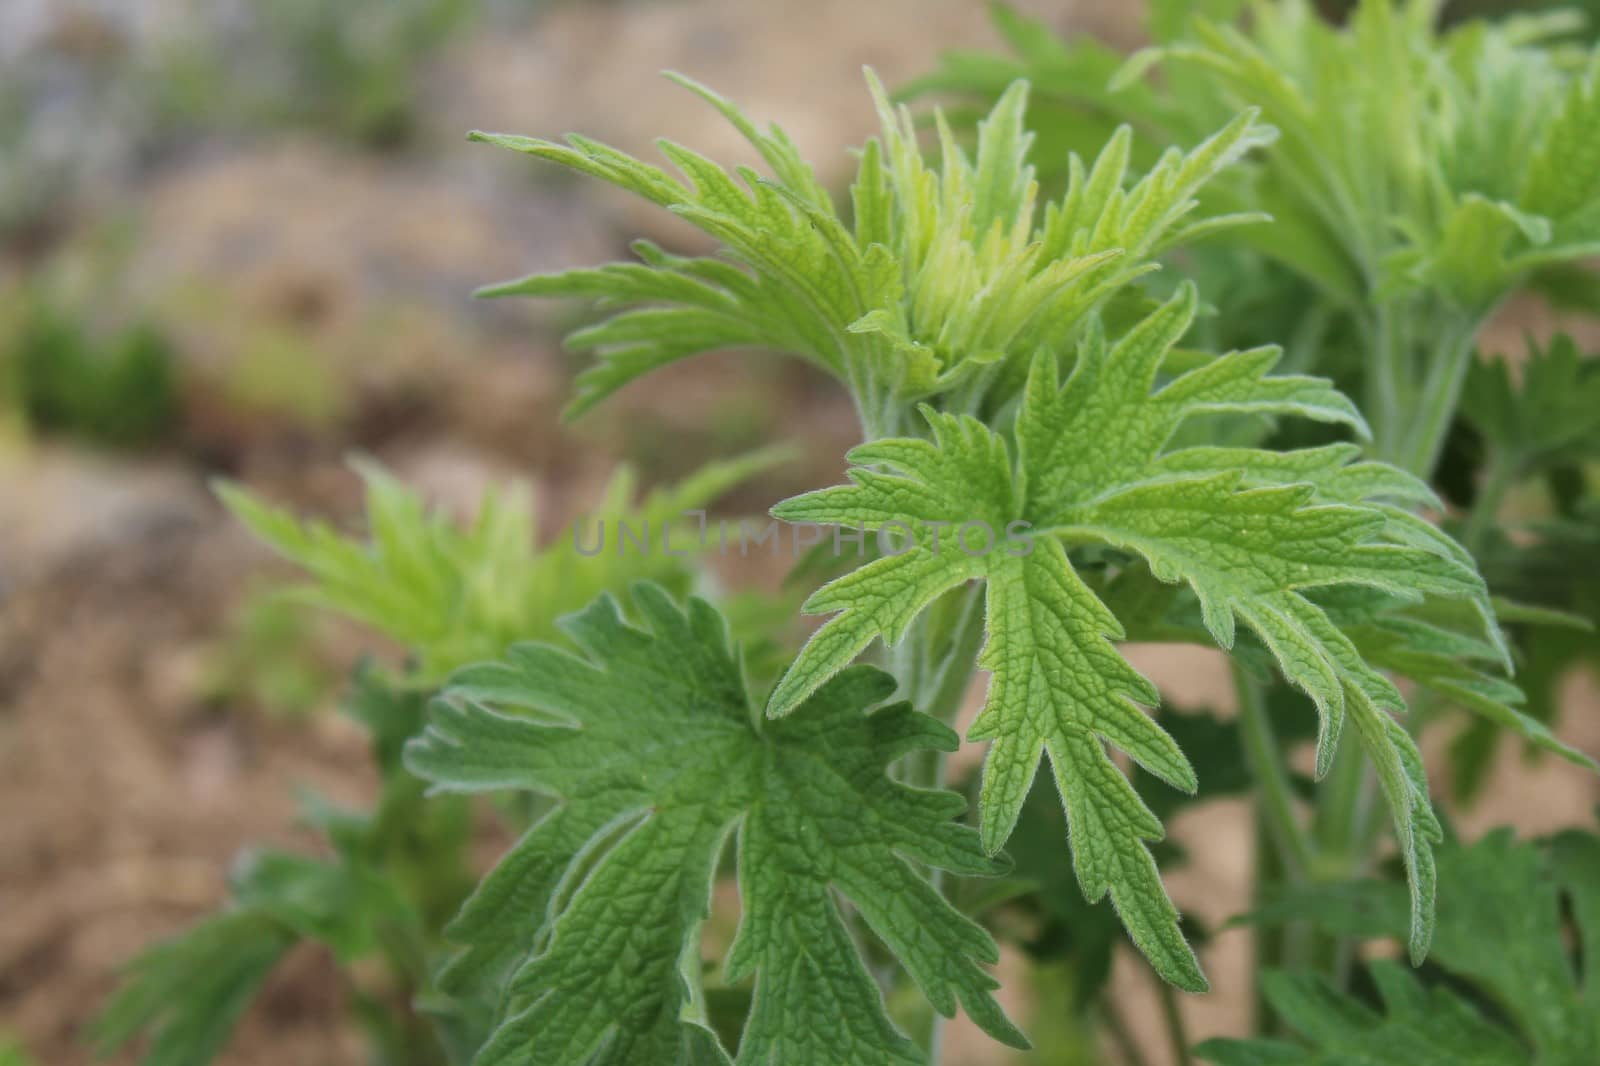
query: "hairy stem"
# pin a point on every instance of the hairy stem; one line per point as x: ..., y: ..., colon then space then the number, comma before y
x: 1274, y: 798
x: 1284, y: 851
x: 1421, y: 356
x: 1385, y: 384
x: 1172, y: 1016
x: 1269, y: 942
x: 1121, y: 1035
x: 949, y: 681
x: 1502, y: 474
x: 1440, y: 395
x: 1337, y: 811
x: 935, y: 680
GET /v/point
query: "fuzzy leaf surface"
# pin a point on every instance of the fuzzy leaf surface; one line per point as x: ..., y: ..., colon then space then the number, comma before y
x: 1255, y: 535
x: 657, y: 755
x: 947, y: 277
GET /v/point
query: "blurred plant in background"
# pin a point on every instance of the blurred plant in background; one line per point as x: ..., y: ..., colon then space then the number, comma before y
x: 270, y: 658
x: 78, y: 361
x: 118, y: 392
x: 350, y: 68
x: 11, y: 1053
x: 452, y: 596
x: 1501, y: 943
x: 396, y: 873
x: 93, y: 97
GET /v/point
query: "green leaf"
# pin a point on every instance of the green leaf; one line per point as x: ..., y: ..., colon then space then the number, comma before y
x: 1562, y: 180
x: 657, y: 755
x: 1450, y: 164
x: 13, y: 1053
x: 187, y: 993
x: 1424, y: 645
x: 454, y: 595
x: 1545, y: 424
x: 396, y: 873
x: 1464, y: 162
x: 1417, y: 1027
x: 1552, y: 414
x: 949, y: 269
x: 1072, y: 101
x: 1067, y: 926
x: 1502, y: 934
x: 1255, y: 535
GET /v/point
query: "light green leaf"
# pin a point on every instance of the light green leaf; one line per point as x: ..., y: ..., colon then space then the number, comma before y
x: 1417, y: 1027
x: 454, y: 594
x: 1451, y: 664
x: 950, y: 269
x: 1503, y: 935
x: 1443, y: 163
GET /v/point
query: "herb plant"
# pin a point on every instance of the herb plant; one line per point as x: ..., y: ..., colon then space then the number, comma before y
x: 62, y: 377
x: 1501, y: 942
x: 1050, y: 465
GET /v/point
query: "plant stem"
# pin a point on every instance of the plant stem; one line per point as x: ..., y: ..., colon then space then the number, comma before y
x: 1502, y: 474
x: 1270, y: 943
x: 937, y: 690
x: 1284, y: 851
x: 1265, y: 760
x: 949, y: 683
x: 1412, y: 420
x: 934, y: 684
x: 1121, y: 1035
x: 1385, y: 382
x: 1441, y: 394
x: 1172, y: 1014
x: 1336, y: 814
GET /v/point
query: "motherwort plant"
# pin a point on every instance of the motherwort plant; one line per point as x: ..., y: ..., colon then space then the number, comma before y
x: 1025, y: 370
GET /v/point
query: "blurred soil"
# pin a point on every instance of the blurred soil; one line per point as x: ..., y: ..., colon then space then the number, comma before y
x: 126, y: 784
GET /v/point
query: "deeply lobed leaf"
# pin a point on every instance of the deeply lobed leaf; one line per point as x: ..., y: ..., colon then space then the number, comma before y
x: 1256, y: 536
x: 652, y: 746
x: 1458, y: 160
x: 453, y: 595
x: 1417, y: 1027
x: 1503, y: 934
x: 1551, y: 414
x: 186, y: 994
x: 946, y: 280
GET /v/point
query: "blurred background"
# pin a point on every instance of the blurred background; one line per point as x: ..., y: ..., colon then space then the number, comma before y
x: 239, y: 238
